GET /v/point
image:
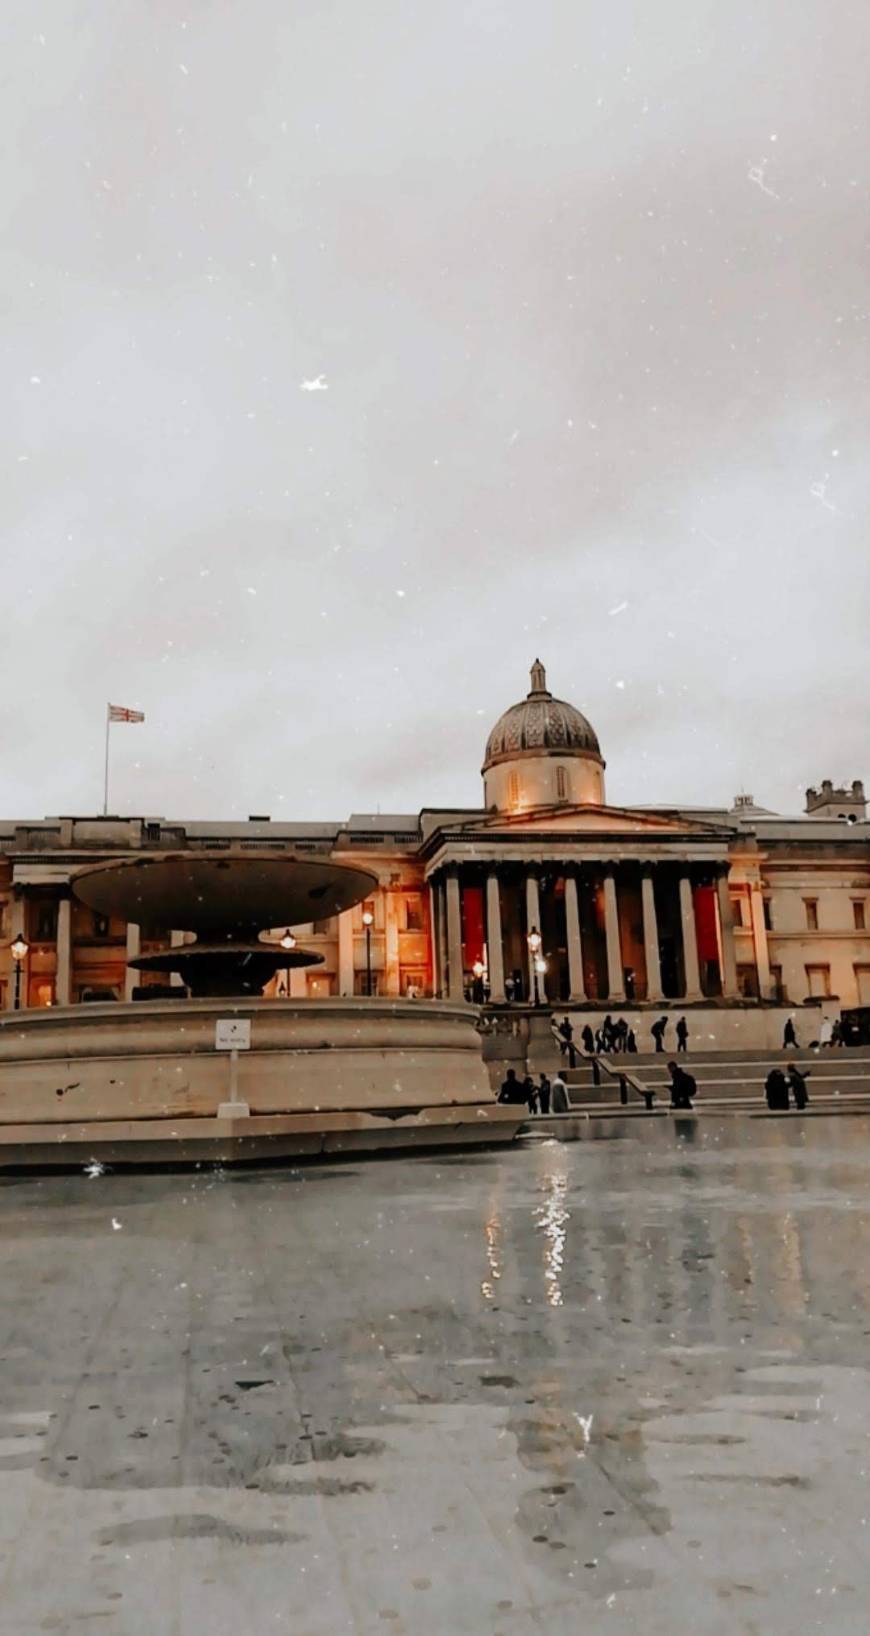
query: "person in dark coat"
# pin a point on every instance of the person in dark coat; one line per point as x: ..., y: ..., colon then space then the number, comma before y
x: 588, y: 1039
x: 789, y: 1037
x: 607, y: 1032
x: 682, y: 1034
x: 530, y: 1093
x: 658, y: 1032
x: 776, y: 1091
x: 798, y: 1084
x: 511, y: 1090
x: 567, y: 1032
x: 683, y: 1086
x: 544, y: 1094
x: 631, y: 1042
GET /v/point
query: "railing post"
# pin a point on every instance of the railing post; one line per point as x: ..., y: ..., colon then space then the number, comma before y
x: 596, y: 1072
x: 623, y: 1090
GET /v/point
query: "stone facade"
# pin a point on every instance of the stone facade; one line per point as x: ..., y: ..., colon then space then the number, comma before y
x: 634, y: 906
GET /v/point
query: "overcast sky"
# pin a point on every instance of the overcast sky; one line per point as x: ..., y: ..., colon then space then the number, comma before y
x: 586, y: 285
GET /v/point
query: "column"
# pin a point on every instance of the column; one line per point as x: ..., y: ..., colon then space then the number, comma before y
x: 454, y: 938
x: 441, y: 891
x: 392, y: 983
x: 434, y: 949
x: 575, y: 947
x: 759, y: 938
x: 345, y: 953
x: 494, y: 953
x: 63, y: 974
x: 690, y: 941
x: 615, y: 978
x: 17, y: 919
x: 176, y: 941
x: 533, y: 921
x: 134, y: 944
x: 726, y: 939
x: 651, y: 938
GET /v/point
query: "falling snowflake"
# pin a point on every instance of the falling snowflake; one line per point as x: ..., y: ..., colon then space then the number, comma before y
x: 318, y: 384
x: 95, y: 1169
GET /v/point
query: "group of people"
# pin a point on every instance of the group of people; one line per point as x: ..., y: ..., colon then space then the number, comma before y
x: 613, y: 1037
x: 778, y: 1085
x: 547, y: 1096
x: 831, y: 1033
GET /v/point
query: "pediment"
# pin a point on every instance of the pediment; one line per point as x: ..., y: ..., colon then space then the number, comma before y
x: 588, y: 820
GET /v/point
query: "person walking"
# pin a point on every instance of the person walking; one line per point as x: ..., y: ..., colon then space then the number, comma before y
x: 789, y: 1037
x: 607, y: 1032
x: 631, y: 1042
x: 826, y: 1032
x: 588, y: 1039
x: 776, y: 1091
x: 658, y: 1032
x: 683, y: 1086
x: 798, y: 1085
x: 567, y: 1032
x: 559, y: 1095
x: 682, y: 1034
x: 544, y: 1089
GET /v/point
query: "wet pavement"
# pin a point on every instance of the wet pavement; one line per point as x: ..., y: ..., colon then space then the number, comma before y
x: 620, y: 1385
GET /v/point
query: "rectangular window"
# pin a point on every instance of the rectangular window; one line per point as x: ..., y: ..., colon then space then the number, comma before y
x: 360, y: 985
x: 747, y: 982
x: 561, y: 784
x: 737, y: 911
x: 812, y: 913
x: 413, y: 915
x: 859, y: 914
x: 818, y: 982
x: 776, y: 981
x: 768, y: 922
x: 101, y: 925
x: 46, y: 922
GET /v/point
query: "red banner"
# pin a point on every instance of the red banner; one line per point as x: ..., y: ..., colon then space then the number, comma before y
x: 473, y: 932
x: 705, y: 922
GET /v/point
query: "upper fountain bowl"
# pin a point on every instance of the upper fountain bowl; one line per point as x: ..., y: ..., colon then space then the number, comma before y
x: 235, y: 893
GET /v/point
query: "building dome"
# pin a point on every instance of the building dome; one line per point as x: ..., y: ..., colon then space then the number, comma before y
x: 542, y: 751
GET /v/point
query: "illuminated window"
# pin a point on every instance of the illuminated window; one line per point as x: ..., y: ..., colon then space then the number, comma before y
x: 513, y: 790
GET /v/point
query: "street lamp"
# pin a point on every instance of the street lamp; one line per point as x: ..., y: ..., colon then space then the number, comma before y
x: 534, y: 942
x: 477, y: 971
x: 288, y: 942
x: 367, y: 920
x: 18, y: 950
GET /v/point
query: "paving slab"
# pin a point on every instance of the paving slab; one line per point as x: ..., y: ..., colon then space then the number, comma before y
x: 618, y: 1385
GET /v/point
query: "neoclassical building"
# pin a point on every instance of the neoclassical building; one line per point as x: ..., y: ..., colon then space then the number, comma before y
x: 544, y: 884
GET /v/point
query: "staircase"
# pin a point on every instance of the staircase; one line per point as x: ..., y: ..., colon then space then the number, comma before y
x: 728, y: 1081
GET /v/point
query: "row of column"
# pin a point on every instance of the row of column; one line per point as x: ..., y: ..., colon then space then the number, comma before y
x: 447, y: 937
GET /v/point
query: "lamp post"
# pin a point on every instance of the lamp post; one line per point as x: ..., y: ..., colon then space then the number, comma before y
x: 367, y: 920
x: 288, y: 942
x: 477, y: 971
x: 534, y: 942
x: 18, y: 950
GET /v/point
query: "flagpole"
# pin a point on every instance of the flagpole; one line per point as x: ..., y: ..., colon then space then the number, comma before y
x: 106, y: 777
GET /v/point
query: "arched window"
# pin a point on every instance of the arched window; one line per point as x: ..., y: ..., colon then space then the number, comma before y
x: 561, y: 784
x: 513, y: 790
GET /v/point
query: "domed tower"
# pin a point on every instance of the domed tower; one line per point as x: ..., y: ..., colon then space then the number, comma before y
x: 540, y: 753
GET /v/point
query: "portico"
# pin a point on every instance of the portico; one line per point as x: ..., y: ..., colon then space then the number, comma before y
x: 620, y: 921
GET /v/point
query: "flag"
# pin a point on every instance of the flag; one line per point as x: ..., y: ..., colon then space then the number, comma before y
x: 117, y: 712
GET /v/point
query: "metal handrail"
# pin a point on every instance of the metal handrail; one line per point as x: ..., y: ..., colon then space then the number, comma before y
x: 626, y: 1078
